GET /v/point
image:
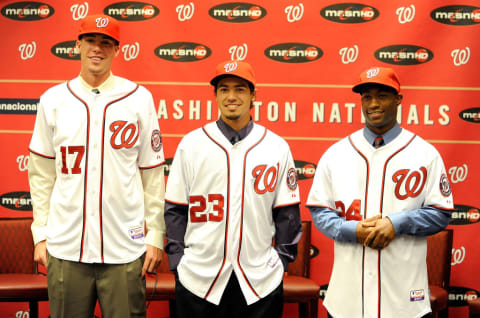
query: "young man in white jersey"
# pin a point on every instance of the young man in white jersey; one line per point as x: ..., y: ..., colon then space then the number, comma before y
x: 232, y: 190
x: 97, y: 184
x: 378, y: 194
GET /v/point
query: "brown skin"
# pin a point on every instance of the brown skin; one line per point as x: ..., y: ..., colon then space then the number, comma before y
x: 97, y: 52
x: 379, y: 107
x: 234, y: 99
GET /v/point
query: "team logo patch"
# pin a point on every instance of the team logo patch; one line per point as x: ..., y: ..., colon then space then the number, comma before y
x: 445, y: 185
x: 156, y: 140
x: 292, y: 179
x: 416, y: 295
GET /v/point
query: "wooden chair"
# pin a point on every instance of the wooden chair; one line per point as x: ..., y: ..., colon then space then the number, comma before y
x: 297, y: 285
x: 439, y: 255
x: 19, y: 278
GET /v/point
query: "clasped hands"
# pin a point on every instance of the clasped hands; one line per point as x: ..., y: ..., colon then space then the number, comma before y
x: 375, y: 232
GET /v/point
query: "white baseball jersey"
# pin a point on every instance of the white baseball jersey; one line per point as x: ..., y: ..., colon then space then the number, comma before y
x: 99, y: 143
x: 360, y: 181
x: 231, y: 191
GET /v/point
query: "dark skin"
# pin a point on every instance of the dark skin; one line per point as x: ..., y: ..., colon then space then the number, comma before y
x: 379, y: 107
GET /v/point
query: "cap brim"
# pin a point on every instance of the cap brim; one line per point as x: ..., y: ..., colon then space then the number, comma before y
x: 217, y: 79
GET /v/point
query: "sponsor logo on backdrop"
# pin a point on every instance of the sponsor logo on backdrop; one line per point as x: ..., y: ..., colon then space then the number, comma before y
x: 458, y: 255
x: 458, y: 296
x: 304, y: 169
x: 17, y: 106
x: 27, y: 50
x: 323, y: 291
x: 79, y: 10
x: 294, y: 12
x: 349, y: 54
x: 167, y: 165
x: 185, y: 11
x: 183, y: 51
x: 471, y: 115
x: 238, y: 52
x: 130, y: 51
x: 464, y: 215
x: 27, y: 11
x: 460, y: 56
x: 349, y: 13
x: 458, y: 174
x: 131, y: 11
x: 457, y: 15
x: 237, y: 12
x: 293, y: 52
x: 22, y: 161
x: 18, y: 201
x: 406, y: 14
x: 66, y: 50
x: 404, y: 54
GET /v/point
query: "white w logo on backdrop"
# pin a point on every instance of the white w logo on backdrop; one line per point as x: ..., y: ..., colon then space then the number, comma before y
x: 79, y: 11
x: 294, y: 13
x: 458, y: 174
x: 185, y: 11
x: 238, y: 52
x: 27, y: 50
x: 349, y: 54
x: 130, y: 51
x: 461, y: 56
x: 22, y: 161
x: 406, y: 14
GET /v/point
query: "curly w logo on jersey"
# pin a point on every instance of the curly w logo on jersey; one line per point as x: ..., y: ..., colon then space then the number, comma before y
x: 265, y: 179
x: 124, y: 136
x: 409, y: 183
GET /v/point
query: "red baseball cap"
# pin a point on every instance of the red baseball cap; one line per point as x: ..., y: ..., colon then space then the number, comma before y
x: 100, y: 23
x: 378, y: 75
x: 239, y: 69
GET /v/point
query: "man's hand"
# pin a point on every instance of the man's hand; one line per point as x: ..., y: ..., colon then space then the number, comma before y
x: 153, y: 258
x: 40, y: 253
x: 381, y: 235
x: 365, y: 227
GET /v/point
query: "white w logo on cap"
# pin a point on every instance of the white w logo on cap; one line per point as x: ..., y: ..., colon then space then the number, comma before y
x: 230, y: 67
x: 373, y: 72
x: 101, y: 22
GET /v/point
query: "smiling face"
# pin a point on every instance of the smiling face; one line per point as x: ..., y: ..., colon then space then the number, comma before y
x: 96, y: 54
x: 234, y: 99
x: 379, y: 107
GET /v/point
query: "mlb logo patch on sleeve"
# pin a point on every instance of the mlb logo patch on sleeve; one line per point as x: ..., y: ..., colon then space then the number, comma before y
x: 416, y: 295
x: 136, y: 232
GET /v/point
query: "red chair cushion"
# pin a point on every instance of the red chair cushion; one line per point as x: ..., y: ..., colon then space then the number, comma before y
x: 164, y: 288
x: 297, y: 289
x: 23, y: 287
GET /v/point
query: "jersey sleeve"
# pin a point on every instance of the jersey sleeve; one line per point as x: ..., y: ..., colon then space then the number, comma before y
x: 438, y: 190
x: 151, y: 151
x: 177, y: 185
x: 42, y: 137
x: 287, y: 184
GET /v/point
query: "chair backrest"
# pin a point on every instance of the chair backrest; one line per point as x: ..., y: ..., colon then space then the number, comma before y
x: 439, y: 256
x: 301, y: 265
x: 16, y: 246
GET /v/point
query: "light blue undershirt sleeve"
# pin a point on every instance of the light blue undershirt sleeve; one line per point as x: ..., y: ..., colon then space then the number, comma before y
x: 425, y: 221
x: 333, y: 226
